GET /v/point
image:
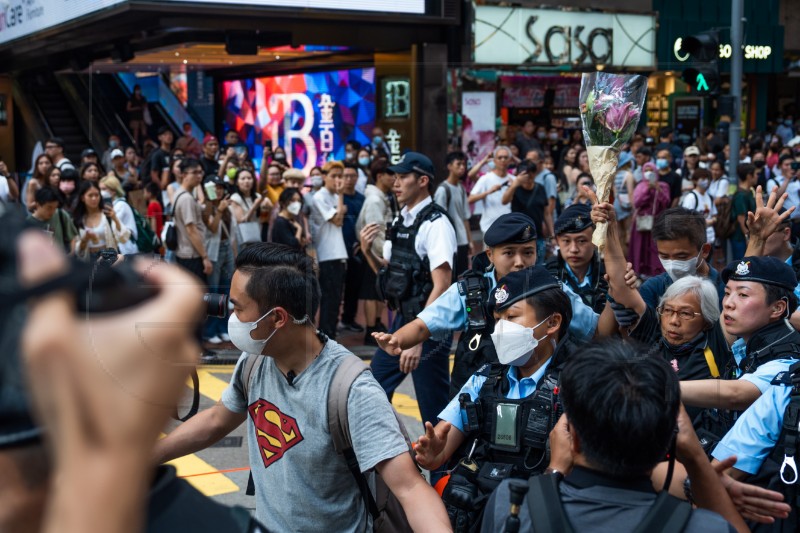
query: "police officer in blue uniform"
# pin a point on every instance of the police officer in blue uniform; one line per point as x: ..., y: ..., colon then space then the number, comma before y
x: 577, y: 263
x: 499, y: 424
x: 511, y: 246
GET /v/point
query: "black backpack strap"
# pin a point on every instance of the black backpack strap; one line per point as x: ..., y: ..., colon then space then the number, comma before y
x: 545, y: 507
x: 667, y: 515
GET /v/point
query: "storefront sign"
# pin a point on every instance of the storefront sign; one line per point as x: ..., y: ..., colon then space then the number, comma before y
x: 726, y: 51
x: 478, y: 124
x: 311, y: 116
x: 396, y: 95
x: 687, y: 115
x: 19, y: 18
x: 514, y: 36
x: 393, y: 141
x: 415, y: 7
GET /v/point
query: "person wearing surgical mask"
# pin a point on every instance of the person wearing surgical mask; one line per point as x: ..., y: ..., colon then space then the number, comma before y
x: 669, y: 176
x: 698, y: 199
x: 533, y: 344
x: 288, y: 227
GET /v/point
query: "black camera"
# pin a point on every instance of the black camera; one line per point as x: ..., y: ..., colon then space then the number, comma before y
x: 795, y: 165
x: 107, y: 256
x: 216, y: 304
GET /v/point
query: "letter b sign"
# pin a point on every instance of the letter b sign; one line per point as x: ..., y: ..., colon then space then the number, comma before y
x: 396, y: 98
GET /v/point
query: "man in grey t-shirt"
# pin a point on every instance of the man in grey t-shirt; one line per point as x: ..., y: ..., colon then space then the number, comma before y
x: 452, y: 196
x: 301, y: 483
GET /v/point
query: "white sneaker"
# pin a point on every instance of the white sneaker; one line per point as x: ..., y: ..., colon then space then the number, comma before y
x: 214, y: 340
x: 225, y: 337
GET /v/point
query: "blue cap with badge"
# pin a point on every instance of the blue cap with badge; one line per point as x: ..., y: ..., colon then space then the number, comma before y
x: 768, y: 270
x: 414, y: 162
x: 521, y: 284
x: 511, y: 228
x: 574, y: 219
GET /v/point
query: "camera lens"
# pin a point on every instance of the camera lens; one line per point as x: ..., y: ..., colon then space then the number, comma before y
x: 216, y: 304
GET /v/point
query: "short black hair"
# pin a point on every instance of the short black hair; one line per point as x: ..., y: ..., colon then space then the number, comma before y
x: 355, y: 145
x: 280, y: 277
x: 378, y: 166
x: 45, y: 195
x: 70, y: 174
x: 625, y: 427
x: 285, y: 197
x: 55, y: 140
x: 665, y: 132
x: 775, y: 293
x: 644, y: 151
x: 549, y: 302
x: 744, y: 170
x: 678, y: 222
x: 455, y: 156
x: 189, y: 162
x: 784, y: 157
x: 351, y: 165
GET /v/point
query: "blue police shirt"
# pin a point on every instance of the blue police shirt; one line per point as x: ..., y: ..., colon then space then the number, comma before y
x: 762, y: 376
x: 519, y: 388
x: 755, y: 433
x: 449, y: 312
x: 587, y: 279
x: 654, y: 288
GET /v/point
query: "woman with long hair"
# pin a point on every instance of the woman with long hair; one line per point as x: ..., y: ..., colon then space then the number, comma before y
x: 246, y: 203
x: 581, y: 166
x: 68, y: 189
x: 54, y: 177
x: 38, y: 180
x: 287, y: 228
x: 97, y: 223
x: 91, y: 172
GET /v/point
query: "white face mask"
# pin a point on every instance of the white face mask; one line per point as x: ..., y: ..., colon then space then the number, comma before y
x: 294, y: 208
x: 316, y: 181
x: 106, y: 195
x: 680, y: 269
x: 240, y: 334
x: 514, y: 343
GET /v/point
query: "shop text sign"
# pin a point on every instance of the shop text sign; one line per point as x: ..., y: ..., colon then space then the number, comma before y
x: 516, y: 36
x: 414, y: 7
x: 19, y: 18
x: 726, y: 51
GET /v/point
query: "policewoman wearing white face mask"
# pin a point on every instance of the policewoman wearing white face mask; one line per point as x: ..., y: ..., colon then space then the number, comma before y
x: 288, y: 228
x: 498, y: 425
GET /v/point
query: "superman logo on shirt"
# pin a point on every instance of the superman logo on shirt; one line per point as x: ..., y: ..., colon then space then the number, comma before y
x: 276, y: 431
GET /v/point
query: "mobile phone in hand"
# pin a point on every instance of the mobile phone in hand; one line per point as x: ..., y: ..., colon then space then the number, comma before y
x: 268, y: 145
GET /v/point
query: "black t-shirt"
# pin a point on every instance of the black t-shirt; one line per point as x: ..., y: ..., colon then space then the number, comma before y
x: 210, y: 167
x: 158, y: 161
x: 283, y: 232
x: 675, y: 183
x: 531, y: 202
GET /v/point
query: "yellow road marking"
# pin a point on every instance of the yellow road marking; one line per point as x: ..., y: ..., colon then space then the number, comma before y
x: 211, y: 386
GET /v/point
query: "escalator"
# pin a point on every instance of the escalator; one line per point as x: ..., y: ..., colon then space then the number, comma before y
x: 52, y: 106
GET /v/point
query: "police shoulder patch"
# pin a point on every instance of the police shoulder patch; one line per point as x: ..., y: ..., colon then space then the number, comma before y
x: 782, y: 378
x: 462, y: 287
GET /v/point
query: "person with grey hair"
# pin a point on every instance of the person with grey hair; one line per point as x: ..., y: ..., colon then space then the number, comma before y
x: 487, y: 193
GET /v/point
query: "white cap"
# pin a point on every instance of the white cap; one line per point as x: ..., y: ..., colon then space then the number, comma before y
x: 116, y: 152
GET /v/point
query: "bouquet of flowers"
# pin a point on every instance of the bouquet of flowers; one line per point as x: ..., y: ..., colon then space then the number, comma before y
x: 611, y: 105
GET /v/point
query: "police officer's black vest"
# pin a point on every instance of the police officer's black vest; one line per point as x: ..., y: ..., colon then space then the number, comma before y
x: 779, y: 471
x: 475, y: 347
x: 405, y: 283
x: 523, y: 445
x: 593, y: 295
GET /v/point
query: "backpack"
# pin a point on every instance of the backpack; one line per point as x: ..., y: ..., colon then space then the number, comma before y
x: 384, y: 507
x: 170, y: 232
x: 725, y: 226
x: 668, y: 514
x: 146, y: 239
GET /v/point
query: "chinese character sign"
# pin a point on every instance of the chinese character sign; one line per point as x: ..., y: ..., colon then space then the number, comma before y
x: 311, y: 116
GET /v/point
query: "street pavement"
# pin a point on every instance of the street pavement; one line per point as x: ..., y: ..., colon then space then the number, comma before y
x: 222, y: 470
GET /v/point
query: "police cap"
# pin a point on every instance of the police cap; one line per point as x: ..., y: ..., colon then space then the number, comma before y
x: 521, y: 284
x: 767, y: 270
x: 574, y: 219
x: 511, y: 228
x: 414, y: 162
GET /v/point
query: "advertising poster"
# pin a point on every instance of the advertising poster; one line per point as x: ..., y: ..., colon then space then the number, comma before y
x: 311, y: 116
x: 478, y: 130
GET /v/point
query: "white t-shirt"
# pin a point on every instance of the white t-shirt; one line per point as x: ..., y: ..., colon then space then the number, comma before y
x: 4, y: 190
x: 491, y: 207
x: 702, y: 203
x: 327, y: 236
x: 436, y: 239
x: 125, y: 216
x: 719, y: 188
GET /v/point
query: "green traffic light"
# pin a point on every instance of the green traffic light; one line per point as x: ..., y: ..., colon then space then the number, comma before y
x: 701, y: 82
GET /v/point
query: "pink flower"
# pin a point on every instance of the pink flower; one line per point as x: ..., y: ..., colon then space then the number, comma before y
x: 619, y: 116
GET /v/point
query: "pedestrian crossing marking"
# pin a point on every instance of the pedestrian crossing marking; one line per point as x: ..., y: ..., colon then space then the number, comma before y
x: 211, y: 484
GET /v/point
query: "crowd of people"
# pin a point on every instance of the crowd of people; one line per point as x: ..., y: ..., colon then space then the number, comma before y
x: 608, y: 387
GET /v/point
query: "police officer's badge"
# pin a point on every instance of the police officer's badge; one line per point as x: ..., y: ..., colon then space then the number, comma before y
x: 501, y: 294
x: 743, y: 268
x: 526, y: 234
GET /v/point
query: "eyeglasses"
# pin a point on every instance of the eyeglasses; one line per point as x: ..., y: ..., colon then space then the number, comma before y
x: 501, y: 157
x: 682, y: 314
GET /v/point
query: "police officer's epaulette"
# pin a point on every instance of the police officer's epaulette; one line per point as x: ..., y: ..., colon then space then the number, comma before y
x: 782, y: 378
x: 491, y: 369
